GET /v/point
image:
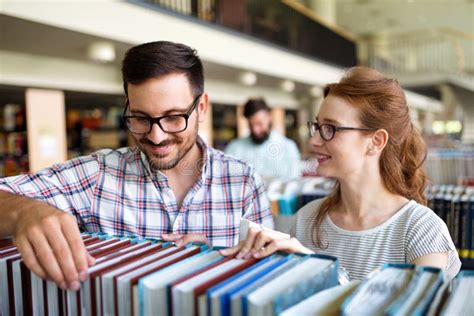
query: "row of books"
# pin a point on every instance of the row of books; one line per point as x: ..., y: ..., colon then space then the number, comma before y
x: 397, y: 289
x: 148, y: 277
x: 455, y: 205
x: 450, y: 165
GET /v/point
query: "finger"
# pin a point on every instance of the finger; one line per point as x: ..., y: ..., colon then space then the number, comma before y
x: 269, y: 249
x: 231, y: 251
x: 248, y: 243
x: 76, y: 246
x: 90, y: 260
x: 171, y: 237
x: 260, y: 241
x: 288, y: 245
x: 46, y: 258
x: 29, y: 258
x: 63, y: 254
x: 189, y: 238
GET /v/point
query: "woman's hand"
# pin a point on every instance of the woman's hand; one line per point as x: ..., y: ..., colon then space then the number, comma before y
x: 264, y: 242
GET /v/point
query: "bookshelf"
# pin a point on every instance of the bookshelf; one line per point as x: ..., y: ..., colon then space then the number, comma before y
x: 93, y: 122
x: 13, y: 137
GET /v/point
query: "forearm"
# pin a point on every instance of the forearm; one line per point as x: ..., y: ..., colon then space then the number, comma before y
x: 14, y: 206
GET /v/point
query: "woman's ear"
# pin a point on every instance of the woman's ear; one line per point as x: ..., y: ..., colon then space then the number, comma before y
x: 378, y: 141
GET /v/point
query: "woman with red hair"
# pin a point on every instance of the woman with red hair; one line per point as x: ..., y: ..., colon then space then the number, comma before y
x: 364, y: 138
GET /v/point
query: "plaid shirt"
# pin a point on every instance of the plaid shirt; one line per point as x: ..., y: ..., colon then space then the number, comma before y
x: 116, y: 192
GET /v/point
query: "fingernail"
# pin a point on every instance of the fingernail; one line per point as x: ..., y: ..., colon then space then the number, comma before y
x: 82, y: 276
x: 75, y: 286
x: 240, y: 255
x: 257, y: 255
x: 248, y: 256
x: 178, y: 243
x: 63, y: 285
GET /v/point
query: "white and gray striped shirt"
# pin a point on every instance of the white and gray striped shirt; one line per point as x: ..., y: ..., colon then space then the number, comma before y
x: 414, y: 231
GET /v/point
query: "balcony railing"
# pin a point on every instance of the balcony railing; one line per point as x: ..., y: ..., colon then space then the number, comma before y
x: 282, y: 23
x: 439, y: 51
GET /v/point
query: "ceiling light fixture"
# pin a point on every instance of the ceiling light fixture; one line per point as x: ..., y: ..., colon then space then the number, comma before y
x: 287, y: 85
x: 248, y: 78
x: 101, y: 51
x: 316, y: 91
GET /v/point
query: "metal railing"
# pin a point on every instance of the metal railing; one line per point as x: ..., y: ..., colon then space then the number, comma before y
x: 283, y: 23
x: 440, y: 51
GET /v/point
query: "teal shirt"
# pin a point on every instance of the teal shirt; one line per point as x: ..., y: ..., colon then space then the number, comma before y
x: 277, y: 158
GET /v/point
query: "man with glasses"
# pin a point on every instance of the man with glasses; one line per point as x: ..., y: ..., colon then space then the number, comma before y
x: 171, y: 186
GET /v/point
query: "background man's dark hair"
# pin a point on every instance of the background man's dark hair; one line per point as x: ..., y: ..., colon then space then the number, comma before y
x: 157, y: 59
x: 253, y: 106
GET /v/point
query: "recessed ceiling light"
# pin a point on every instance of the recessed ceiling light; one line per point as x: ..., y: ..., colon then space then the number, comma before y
x: 287, y: 85
x: 248, y: 78
x: 101, y: 51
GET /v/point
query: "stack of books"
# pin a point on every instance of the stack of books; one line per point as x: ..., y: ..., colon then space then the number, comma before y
x: 149, y: 277
x: 397, y: 289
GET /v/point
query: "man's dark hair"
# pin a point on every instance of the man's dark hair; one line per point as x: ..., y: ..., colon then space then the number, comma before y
x: 253, y: 106
x: 157, y: 59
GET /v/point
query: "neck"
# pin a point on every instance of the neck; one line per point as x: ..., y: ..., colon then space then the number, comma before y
x: 189, y: 166
x: 366, y: 195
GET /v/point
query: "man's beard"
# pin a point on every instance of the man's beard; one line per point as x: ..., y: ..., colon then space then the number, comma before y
x: 259, y: 139
x: 158, y: 163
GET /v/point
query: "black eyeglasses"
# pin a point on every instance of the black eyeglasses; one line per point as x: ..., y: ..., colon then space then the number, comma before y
x: 175, y: 123
x: 328, y: 131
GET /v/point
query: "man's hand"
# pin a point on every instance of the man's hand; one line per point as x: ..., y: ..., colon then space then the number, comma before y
x: 264, y: 242
x: 51, y: 246
x: 184, y: 239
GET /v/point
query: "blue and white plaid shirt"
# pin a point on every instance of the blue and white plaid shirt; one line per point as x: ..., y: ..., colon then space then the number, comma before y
x: 116, y: 192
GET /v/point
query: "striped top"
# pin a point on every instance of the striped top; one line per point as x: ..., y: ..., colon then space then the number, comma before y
x: 117, y: 192
x: 414, y: 231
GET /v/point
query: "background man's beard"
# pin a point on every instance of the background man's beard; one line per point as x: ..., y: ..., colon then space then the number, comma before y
x: 259, y: 139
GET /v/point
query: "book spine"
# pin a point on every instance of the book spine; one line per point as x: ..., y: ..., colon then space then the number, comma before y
x: 456, y: 222
x: 470, y: 232
x: 464, y: 228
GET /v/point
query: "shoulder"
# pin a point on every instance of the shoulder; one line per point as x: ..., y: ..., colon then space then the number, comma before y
x: 276, y: 137
x: 111, y: 157
x: 419, y: 216
x: 237, y: 143
x: 225, y: 163
x: 308, y: 211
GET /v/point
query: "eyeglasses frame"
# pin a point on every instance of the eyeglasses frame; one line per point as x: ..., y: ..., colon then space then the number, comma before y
x: 156, y: 120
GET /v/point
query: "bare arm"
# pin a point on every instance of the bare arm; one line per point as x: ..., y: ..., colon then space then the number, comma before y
x: 438, y: 260
x: 47, y: 238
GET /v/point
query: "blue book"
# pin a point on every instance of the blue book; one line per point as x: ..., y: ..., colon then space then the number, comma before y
x: 218, y: 296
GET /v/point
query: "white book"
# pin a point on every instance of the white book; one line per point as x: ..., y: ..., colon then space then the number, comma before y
x: 154, y: 286
x: 326, y: 302
x: 260, y: 302
x: 124, y: 290
x: 420, y: 286
x: 37, y: 295
x: 460, y: 301
x: 107, y: 279
x: 380, y: 290
x: 53, y: 304
x: 17, y: 287
x: 4, y: 298
x: 183, y: 295
x: 118, y: 256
